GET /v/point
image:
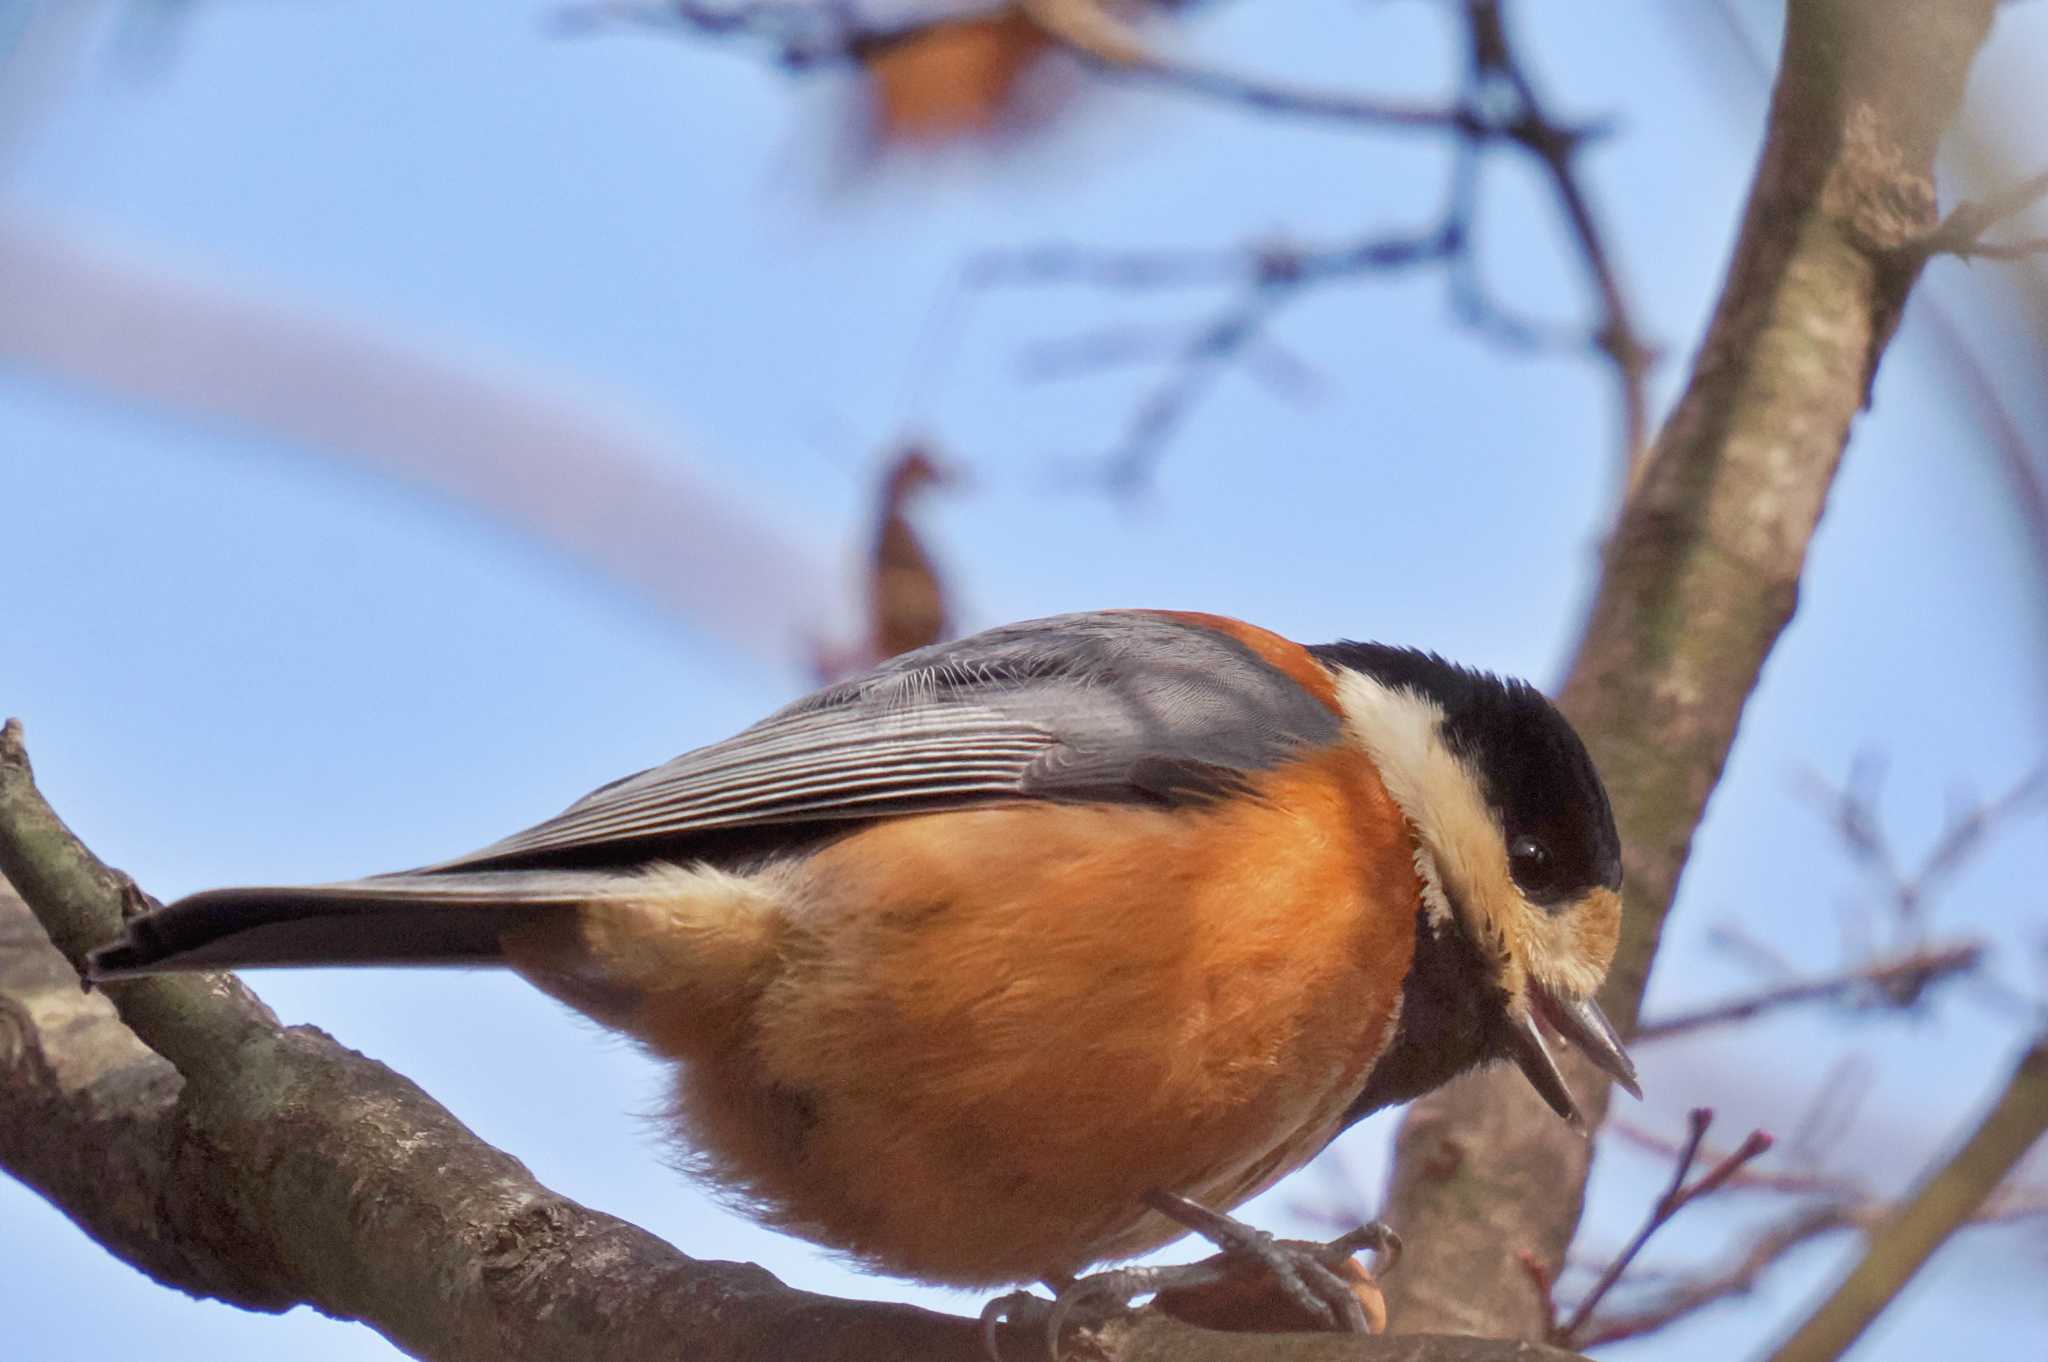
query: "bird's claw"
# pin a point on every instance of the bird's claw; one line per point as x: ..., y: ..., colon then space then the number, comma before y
x: 1094, y: 1299
x: 1310, y: 1276
x: 1004, y: 1310
x: 1306, y: 1273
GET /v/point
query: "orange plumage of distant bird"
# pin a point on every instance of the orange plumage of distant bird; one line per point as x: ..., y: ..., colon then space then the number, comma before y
x: 951, y: 79
x: 906, y: 599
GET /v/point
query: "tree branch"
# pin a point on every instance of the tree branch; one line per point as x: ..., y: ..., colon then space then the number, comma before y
x: 1700, y: 576
x: 1898, y: 981
x: 1556, y: 146
x: 1676, y: 1198
x: 1495, y: 104
x: 1962, y: 232
x: 1942, y: 1204
x: 622, y: 502
x: 820, y: 33
x: 270, y: 1167
x: 1827, y: 1204
x: 1267, y: 277
x: 1736, y: 1279
x: 182, y: 1128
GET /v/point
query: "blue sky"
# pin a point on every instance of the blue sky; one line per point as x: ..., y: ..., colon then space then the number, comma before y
x: 246, y: 654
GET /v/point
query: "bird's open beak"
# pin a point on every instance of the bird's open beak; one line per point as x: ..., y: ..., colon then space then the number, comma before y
x: 1580, y: 1021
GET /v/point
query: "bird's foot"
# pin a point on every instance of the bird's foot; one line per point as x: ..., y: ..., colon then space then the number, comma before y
x: 1257, y: 1282
x: 1320, y: 1282
x: 1089, y: 1301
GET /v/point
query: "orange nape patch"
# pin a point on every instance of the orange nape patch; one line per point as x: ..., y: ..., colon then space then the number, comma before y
x: 1282, y: 654
x: 992, y: 1031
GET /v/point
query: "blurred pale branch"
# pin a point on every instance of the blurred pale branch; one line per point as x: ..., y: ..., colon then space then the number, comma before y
x: 529, y: 449
x: 1495, y: 104
x: 1793, y: 1182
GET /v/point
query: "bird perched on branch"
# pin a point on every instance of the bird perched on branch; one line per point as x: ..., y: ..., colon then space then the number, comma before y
x: 1032, y: 951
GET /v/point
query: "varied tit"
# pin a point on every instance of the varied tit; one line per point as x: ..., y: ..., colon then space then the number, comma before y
x: 1015, y: 954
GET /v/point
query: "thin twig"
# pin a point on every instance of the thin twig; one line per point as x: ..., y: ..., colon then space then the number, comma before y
x: 1738, y: 1278
x: 1758, y: 954
x: 1831, y: 1113
x: 1945, y: 1201
x: 1832, y: 1204
x: 1496, y: 104
x: 1899, y: 981
x: 1270, y: 276
x: 1063, y: 263
x: 815, y: 34
x: 1555, y: 146
x: 1961, y: 233
x: 1968, y: 829
x: 1778, y: 1181
x: 1852, y: 810
x: 1268, y: 97
x: 1676, y: 1197
x: 2004, y: 250
x: 1197, y: 367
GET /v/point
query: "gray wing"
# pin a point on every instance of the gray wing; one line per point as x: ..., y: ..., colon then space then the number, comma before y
x: 1104, y: 706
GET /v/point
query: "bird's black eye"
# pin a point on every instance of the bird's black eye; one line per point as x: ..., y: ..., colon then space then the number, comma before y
x: 1529, y: 862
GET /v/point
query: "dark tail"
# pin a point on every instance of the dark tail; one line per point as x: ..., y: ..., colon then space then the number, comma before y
x: 451, y: 919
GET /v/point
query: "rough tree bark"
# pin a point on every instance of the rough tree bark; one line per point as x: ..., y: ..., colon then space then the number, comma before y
x: 225, y: 1156
x: 1701, y: 575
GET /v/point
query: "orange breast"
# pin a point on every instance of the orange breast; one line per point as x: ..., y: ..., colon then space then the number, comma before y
x: 991, y: 1032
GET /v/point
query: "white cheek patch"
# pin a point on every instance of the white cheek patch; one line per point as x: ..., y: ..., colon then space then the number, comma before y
x: 1458, y: 850
x: 1435, y: 902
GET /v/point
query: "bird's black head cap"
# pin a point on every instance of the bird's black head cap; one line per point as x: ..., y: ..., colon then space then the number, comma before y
x: 1536, y: 773
x: 1519, y: 860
